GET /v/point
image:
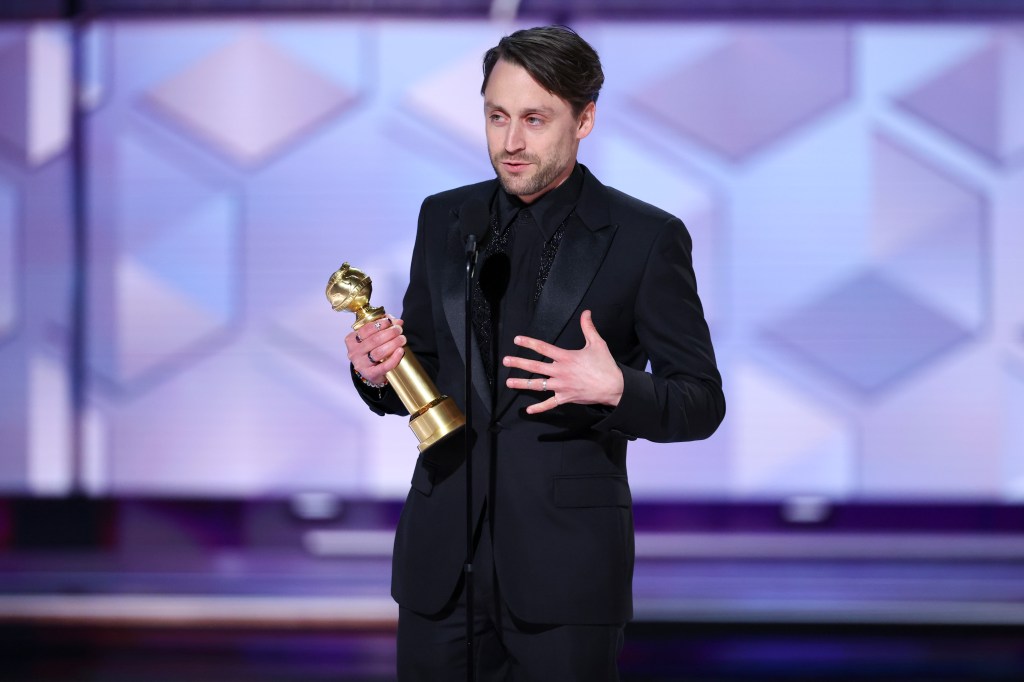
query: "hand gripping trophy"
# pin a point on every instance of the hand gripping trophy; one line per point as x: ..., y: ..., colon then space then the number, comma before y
x: 432, y: 416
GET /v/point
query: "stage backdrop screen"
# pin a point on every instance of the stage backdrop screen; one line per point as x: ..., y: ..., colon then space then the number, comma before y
x: 855, y: 193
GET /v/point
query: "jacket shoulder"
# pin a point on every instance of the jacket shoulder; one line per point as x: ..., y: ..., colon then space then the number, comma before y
x: 455, y: 197
x: 605, y: 204
x: 646, y: 223
x: 628, y: 209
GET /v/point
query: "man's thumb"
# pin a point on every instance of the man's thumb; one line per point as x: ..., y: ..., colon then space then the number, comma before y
x: 589, y: 330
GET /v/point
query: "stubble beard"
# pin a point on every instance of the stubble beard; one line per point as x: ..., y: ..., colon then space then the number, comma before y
x: 544, y: 174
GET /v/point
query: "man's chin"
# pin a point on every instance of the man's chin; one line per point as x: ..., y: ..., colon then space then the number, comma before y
x: 515, y: 185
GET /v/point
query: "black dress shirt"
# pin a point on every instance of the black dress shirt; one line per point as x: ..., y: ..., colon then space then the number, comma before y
x: 517, y: 257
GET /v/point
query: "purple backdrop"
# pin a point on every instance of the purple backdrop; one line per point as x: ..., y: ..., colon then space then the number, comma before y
x: 855, y: 192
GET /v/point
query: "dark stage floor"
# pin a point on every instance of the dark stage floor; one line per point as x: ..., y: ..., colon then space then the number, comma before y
x: 709, y: 607
x: 662, y: 651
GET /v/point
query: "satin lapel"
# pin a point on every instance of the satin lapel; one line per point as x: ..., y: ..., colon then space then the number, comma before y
x: 578, y: 259
x: 454, y: 297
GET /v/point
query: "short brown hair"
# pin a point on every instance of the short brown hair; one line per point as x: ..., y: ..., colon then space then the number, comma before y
x: 557, y: 58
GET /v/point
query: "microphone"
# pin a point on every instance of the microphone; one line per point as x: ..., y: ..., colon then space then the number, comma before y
x: 495, y: 274
x: 474, y: 219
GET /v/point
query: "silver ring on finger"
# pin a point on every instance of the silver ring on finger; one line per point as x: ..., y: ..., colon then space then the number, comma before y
x: 544, y: 385
x: 377, y: 325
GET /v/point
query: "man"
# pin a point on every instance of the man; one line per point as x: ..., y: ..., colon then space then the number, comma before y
x: 579, y: 287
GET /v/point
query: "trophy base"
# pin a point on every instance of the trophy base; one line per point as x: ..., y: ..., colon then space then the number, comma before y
x: 438, y: 421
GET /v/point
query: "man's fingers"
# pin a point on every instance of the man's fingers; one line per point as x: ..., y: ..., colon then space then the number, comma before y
x: 372, y: 352
x: 538, y: 346
x: 375, y: 352
x: 544, y: 406
x: 375, y: 372
x: 389, y: 327
x: 363, y: 340
x: 532, y: 366
x: 386, y: 349
x: 534, y: 384
x: 391, y: 362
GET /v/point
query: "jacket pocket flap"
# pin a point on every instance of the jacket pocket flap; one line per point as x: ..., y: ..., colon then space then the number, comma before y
x: 592, y: 491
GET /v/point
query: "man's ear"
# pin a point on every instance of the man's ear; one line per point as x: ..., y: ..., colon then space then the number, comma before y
x: 585, y: 121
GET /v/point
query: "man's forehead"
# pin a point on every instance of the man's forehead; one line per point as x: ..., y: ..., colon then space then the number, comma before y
x: 518, y: 74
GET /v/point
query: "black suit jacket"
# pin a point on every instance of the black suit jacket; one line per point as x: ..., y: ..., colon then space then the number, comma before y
x: 556, y: 482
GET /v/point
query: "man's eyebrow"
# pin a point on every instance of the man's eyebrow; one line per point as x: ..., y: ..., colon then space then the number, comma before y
x: 526, y: 110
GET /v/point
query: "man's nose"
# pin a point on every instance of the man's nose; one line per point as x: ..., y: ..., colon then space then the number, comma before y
x: 514, y: 139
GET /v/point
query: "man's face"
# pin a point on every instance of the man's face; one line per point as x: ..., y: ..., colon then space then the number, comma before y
x: 532, y: 134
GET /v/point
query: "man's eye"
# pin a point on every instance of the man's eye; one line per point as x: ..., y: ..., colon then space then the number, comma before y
x: 534, y: 120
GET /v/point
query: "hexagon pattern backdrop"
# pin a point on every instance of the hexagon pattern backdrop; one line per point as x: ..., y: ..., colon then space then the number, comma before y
x: 35, y: 257
x: 855, y: 192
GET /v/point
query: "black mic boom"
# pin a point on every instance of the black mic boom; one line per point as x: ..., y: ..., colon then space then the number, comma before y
x: 474, y: 219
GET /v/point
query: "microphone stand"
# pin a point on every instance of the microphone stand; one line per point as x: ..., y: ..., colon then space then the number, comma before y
x: 471, y: 255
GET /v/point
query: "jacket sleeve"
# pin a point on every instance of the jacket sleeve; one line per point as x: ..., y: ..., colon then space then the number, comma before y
x: 681, y: 398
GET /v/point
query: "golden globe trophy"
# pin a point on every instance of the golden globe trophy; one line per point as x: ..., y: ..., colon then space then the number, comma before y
x: 432, y: 416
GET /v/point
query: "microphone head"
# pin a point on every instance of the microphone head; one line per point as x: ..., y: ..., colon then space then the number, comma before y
x: 495, y: 274
x: 474, y: 218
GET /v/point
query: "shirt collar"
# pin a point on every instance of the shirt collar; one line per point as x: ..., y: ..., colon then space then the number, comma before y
x: 550, y: 210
